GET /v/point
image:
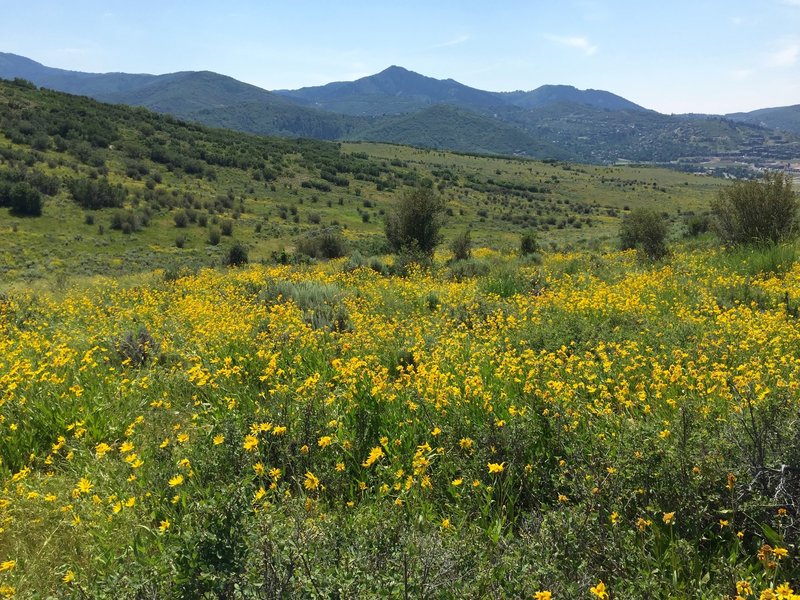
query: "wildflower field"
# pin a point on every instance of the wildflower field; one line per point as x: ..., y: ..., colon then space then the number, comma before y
x: 591, y: 427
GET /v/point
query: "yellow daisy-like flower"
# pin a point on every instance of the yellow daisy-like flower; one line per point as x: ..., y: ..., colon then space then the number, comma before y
x: 164, y: 526
x: 375, y: 454
x: 496, y: 467
x: 780, y: 552
x: 668, y: 518
x: 543, y: 595
x: 101, y: 449
x: 69, y: 576
x: 7, y: 565
x: 84, y: 486
x: 311, y: 481
x: 324, y: 441
x: 250, y: 443
x: 599, y: 591
x: 219, y: 439
x: 176, y: 481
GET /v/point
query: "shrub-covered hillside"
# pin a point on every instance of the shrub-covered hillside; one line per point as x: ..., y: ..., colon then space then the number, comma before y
x: 124, y: 190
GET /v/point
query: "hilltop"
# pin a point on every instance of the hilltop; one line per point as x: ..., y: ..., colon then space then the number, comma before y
x: 549, y: 122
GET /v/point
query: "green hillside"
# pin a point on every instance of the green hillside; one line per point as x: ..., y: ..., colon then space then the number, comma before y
x: 784, y: 118
x: 127, y: 190
x: 447, y: 127
x: 400, y: 106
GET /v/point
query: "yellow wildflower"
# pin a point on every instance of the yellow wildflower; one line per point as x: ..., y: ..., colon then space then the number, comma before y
x: 311, y: 481
x: 375, y: 454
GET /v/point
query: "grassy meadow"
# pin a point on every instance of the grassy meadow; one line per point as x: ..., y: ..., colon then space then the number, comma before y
x: 575, y: 423
x: 329, y: 431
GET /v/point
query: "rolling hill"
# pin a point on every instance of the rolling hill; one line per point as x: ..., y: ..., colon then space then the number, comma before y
x: 400, y: 106
x: 783, y: 118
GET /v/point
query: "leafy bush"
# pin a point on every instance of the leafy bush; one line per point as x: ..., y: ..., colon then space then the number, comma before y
x: 237, y: 255
x: 460, y: 270
x: 415, y: 222
x: 226, y: 227
x: 757, y: 211
x: 25, y: 200
x: 528, y: 244
x: 214, y: 236
x: 646, y: 231
x: 697, y: 225
x: 181, y: 219
x: 94, y: 194
x: 461, y: 246
x: 322, y: 303
x: 325, y: 243
x: 128, y: 221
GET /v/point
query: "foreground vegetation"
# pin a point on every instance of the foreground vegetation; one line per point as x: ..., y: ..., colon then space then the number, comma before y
x: 331, y: 431
x: 530, y: 420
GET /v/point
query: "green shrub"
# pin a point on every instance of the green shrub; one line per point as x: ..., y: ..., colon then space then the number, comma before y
x: 414, y: 223
x: 226, y: 227
x: 756, y: 211
x: 646, y: 231
x: 322, y: 303
x: 94, y: 194
x: 467, y: 269
x: 237, y: 255
x: 26, y: 200
x: 697, y: 225
x: 461, y: 246
x: 214, y: 236
x: 325, y: 243
x: 181, y: 219
x: 528, y: 244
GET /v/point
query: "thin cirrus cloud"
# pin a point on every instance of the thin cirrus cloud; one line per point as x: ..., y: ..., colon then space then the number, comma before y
x: 576, y: 42
x: 454, y: 42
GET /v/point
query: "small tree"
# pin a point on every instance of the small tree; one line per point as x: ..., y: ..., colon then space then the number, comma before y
x: 414, y: 224
x: 646, y: 231
x: 26, y: 200
x: 756, y: 211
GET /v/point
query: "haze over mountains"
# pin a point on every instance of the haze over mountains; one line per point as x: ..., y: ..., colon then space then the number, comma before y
x: 400, y: 106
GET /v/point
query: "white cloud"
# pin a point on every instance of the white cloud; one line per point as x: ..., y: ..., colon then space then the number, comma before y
x: 454, y: 42
x: 791, y: 2
x: 577, y: 42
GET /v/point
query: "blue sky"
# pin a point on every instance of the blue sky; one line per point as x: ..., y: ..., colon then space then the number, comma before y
x: 673, y: 56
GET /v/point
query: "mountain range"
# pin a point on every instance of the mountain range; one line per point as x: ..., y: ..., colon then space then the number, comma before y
x: 400, y: 106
